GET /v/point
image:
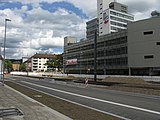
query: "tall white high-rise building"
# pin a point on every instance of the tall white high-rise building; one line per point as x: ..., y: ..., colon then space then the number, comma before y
x: 112, y: 16
x: 103, y: 5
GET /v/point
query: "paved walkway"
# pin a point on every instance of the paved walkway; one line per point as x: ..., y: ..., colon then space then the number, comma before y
x: 31, y: 109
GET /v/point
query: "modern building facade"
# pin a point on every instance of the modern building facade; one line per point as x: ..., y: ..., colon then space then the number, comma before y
x: 111, y: 55
x: 132, y: 51
x: 38, y: 62
x: 69, y: 40
x: 144, y: 46
x: 124, y: 47
x: 91, y: 28
x: 114, y: 18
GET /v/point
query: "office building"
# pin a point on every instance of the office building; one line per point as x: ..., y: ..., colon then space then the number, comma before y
x: 114, y: 18
x: 132, y: 51
x: 144, y: 46
x: 111, y: 55
x: 69, y: 40
x: 91, y: 28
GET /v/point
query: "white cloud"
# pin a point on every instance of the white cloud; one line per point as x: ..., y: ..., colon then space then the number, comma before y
x: 38, y: 30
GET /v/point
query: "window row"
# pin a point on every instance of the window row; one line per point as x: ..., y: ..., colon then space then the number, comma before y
x: 117, y: 51
x: 118, y: 24
x: 119, y: 19
x: 121, y: 15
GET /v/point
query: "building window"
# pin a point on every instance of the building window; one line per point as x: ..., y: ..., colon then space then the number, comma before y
x: 124, y: 7
x: 148, y: 32
x: 148, y: 57
x: 100, y: 8
x: 158, y: 43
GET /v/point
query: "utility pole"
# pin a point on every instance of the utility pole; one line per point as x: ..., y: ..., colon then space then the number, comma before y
x: 95, y: 57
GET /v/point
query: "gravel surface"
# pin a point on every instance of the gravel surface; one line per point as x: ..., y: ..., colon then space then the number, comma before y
x: 71, y: 110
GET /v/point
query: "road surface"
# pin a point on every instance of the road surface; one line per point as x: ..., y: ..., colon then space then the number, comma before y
x: 127, y: 106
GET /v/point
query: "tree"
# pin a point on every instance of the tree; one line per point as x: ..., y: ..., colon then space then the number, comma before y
x: 55, y: 62
x: 22, y: 67
x: 8, y: 66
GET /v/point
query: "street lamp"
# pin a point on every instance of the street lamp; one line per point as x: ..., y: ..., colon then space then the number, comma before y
x: 4, y: 48
x: 95, y: 57
x: 1, y: 59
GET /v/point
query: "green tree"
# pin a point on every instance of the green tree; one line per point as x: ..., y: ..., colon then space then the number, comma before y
x: 55, y: 62
x: 8, y: 66
x: 22, y: 67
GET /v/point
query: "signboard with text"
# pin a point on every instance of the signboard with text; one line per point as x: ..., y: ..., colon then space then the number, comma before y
x: 71, y: 62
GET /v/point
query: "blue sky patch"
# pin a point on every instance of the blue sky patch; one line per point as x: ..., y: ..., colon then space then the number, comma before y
x: 65, y: 5
x: 10, y: 5
x: 24, y: 15
x: 13, y: 5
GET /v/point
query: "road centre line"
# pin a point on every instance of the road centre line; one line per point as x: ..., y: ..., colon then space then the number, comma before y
x: 96, y: 99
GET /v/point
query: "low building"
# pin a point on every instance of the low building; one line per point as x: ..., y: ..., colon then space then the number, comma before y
x: 16, y: 64
x: 28, y: 65
x: 38, y: 62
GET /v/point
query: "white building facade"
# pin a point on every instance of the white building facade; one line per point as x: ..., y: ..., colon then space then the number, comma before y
x: 112, y: 16
x: 38, y: 62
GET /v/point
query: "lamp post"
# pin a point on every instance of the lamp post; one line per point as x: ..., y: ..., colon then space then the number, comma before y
x: 4, y: 47
x: 95, y: 57
x: 1, y: 59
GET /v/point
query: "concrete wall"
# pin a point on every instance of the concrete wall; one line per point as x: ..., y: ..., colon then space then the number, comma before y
x: 140, y: 45
x: 146, y: 78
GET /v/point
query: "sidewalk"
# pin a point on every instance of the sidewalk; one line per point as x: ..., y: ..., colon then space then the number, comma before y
x: 31, y: 109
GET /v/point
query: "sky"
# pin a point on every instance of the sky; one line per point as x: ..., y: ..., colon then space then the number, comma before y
x: 39, y: 26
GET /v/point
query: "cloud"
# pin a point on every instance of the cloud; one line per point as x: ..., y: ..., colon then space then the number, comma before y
x: 38, y: 30
x: 141, y: 9
x: 34, y: 28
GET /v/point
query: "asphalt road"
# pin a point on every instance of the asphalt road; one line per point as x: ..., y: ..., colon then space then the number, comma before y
x: 120, y: 104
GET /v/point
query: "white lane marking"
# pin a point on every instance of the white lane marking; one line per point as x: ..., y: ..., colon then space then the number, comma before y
x: 114, y: 115
x: 96, y: 99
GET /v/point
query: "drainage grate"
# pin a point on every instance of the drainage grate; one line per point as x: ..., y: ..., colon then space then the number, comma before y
x: 10, y: 112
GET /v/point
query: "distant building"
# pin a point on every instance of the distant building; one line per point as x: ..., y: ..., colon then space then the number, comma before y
x: 16, y: 64
x: 38, y: 62
x: 112, y: 17
x: 92, y: 27
x: 69, y: 40
x: 28, y: 64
